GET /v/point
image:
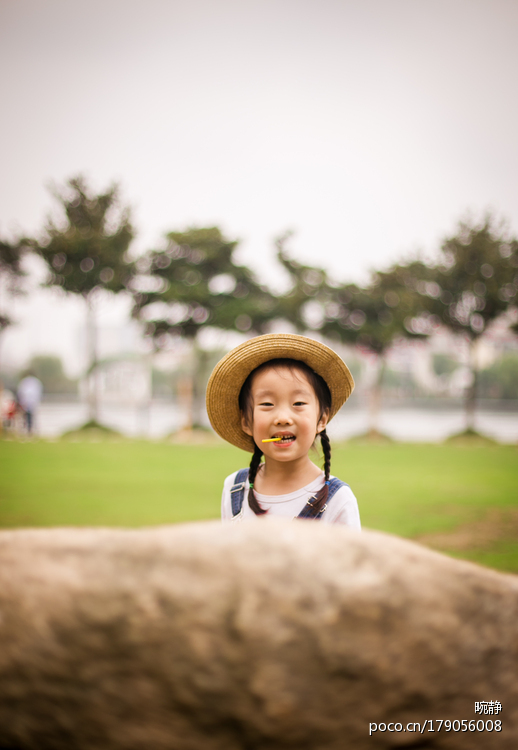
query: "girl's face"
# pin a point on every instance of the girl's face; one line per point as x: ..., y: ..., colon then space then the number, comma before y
x: 284, y: 405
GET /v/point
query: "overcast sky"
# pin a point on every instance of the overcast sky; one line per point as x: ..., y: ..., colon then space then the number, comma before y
x: 369, y: 127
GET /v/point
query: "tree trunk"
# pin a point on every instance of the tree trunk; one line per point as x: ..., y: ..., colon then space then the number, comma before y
x: 201, y: 360
x: 185, y: 393
x: 471, y: 391
x: 91, y: 373
x: 144, y: 408
x: 375, y: 396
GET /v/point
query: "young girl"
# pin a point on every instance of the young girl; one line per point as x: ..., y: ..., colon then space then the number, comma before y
x: 272, y: 396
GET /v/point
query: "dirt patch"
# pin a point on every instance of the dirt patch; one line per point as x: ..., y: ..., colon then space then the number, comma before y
x: 498, y: 525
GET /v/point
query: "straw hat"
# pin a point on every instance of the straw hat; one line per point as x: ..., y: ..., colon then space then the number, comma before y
x: 231, y: 372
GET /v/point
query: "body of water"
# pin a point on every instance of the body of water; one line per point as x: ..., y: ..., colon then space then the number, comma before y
x: 405, y: 423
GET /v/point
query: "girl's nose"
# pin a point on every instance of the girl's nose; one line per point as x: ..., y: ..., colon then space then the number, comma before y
x: 282, y: 418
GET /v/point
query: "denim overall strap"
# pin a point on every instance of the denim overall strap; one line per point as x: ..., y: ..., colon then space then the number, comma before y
x: 334, y: 486
x: 237, y: 493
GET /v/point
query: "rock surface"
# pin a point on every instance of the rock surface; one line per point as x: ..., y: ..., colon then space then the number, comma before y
x: 271, y: 635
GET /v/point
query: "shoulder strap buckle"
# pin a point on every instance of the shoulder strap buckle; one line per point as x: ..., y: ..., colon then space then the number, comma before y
x: 333, y: 487
x: 237, y: 491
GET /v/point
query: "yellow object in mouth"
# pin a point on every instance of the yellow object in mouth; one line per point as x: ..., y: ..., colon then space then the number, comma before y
x: 270, y: 440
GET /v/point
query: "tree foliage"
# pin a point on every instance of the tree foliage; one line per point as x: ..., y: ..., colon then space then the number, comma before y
x: 374, y: 316
x: 500, y: 380
x: 192, y: 283
x: 86, y: 249
x: 371, y: 317
x: 11, y: 254
x: 195, y: 282
x: 475, y: 281
x: 303, y: 304
x: 11, y: 273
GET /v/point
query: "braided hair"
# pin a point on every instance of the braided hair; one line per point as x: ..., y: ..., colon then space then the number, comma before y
x: 254, y: 466
x: 320, y: 499
x: 323, y: 395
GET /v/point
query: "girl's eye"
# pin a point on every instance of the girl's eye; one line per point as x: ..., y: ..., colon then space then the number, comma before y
x: 300, y: 403
x: 265, y: 403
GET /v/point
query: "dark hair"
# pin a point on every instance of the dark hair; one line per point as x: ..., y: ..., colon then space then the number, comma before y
x: 323, y: 395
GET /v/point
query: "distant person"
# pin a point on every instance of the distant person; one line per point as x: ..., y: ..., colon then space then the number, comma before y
x: 30, y: 390
x: 9, y: 407
x: 272, y: 396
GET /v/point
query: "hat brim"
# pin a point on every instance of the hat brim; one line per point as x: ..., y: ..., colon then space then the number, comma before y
x: 230, y: 373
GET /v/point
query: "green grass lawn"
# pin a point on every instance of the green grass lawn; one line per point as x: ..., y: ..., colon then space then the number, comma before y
x: 417, y: 491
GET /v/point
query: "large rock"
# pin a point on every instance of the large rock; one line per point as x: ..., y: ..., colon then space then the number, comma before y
x: 265, y: 635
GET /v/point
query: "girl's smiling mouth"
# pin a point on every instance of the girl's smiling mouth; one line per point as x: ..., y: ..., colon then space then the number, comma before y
x: 285, y: 438
x: 280, y: 439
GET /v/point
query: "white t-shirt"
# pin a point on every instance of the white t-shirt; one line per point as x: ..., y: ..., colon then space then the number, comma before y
x: 30, y: 390
x: 342, y: 507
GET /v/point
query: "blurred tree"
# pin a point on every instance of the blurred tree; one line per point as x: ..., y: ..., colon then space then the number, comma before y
x: 500, y: 380
x: 475, y: 281
x: 86, y: 251
x: 49, y: 370
x: 371, y: 318
x: 193, y: 283
x: 400, y: 383
x: 304, y: 303
x: 374, y: 317
x: 162, y: 383
x: 11, y: 275
x: 443, y: 364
